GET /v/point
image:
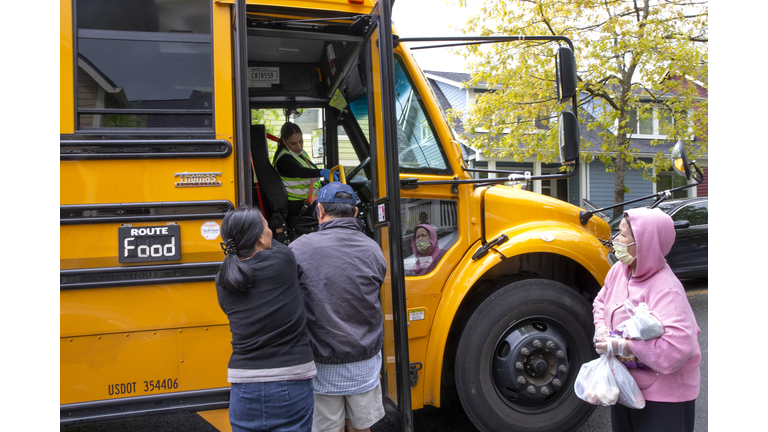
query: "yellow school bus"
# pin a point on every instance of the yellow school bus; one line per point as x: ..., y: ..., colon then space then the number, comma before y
x: 161, y: 136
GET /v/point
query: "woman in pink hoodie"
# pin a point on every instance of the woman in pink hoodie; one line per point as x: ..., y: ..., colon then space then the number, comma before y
x: 669, y: 375
x: 425, y: 249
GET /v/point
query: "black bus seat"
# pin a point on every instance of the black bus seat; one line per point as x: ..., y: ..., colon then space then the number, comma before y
x: 270, y: 186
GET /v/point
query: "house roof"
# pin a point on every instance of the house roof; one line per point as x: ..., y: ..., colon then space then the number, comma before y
x: 456, y: 79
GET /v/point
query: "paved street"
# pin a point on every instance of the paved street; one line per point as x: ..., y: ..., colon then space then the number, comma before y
x: 432, y: 419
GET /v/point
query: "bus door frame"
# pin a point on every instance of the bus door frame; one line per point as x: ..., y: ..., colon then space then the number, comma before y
x: 242, y: 107
x: 390, y: 201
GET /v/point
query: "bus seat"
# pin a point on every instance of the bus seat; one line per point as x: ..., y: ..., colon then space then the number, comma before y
x: 270, y: 183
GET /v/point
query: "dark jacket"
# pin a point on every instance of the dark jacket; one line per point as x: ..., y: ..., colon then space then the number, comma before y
x: 340, y: 275
x: 267, y: 321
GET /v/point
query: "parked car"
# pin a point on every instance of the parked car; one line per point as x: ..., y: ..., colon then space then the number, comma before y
x: 688, y: 257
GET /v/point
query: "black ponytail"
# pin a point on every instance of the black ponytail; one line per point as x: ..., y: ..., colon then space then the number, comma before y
x: 240, y: 230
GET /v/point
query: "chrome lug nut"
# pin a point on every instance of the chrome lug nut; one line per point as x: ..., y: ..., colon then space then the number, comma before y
x: 563, y: 369
x: 556, y: 382
x: 560, y: 354
x: 519, y: 365
x: 525, y: 351
x: 537, y: 343
x: 545, y: 390
x: 531, y: 389
x: 521, y: 380
x: 550, y: 345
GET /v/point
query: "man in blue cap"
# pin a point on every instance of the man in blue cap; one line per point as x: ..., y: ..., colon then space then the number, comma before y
x: 341, y: 271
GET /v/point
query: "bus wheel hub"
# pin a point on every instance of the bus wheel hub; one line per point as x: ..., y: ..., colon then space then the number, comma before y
x: 530, y: 363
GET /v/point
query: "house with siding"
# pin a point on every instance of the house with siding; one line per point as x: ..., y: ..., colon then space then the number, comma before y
x: 593, y: 182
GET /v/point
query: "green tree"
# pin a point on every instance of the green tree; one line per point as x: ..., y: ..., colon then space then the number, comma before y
x: 628, y: 52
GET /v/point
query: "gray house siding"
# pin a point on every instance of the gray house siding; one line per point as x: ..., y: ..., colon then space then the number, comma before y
x: 455, y: 95
x: 601, y: 184
x: 574, y: 196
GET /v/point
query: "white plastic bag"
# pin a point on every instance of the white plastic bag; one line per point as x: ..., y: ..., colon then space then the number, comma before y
x: 642, y: 324
x: 595, y: 383
x: 629, y: 393
x: 606, y: 381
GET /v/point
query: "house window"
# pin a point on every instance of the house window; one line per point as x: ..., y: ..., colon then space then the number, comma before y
x: 653, y: 122
x: 426, y: 132
x: 668, y: 180
x: 480, y: 165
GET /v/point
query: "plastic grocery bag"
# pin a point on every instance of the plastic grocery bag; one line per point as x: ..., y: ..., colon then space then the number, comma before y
x: 629, y: 393
x: 642, y: 324
x: 595, y: 383
x: 606, y: 381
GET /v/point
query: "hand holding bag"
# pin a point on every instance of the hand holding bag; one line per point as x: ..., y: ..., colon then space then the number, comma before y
x: 596, y: 384
x: 606, y: 381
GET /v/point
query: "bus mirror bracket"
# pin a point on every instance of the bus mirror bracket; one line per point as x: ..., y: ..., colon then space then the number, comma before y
x: 569, y: 137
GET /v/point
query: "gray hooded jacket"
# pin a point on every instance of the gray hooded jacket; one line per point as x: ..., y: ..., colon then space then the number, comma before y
x: 340, y: 275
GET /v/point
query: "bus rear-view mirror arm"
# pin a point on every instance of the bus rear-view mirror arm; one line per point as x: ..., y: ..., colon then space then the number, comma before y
x: 682, y: 166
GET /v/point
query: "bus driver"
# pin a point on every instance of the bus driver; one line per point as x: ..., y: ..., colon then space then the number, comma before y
x: 300, y: 176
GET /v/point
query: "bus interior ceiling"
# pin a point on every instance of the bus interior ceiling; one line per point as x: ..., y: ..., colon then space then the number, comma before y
x: 313, y: 60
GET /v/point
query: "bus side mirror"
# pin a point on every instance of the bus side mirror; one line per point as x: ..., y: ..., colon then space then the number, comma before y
x: 680, y: 160
x: 565, y: 68
x: 569, y: 137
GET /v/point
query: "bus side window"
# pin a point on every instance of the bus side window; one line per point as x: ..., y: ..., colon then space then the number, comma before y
x: 144, y: 64
x: 418, y: 147
x: 427, y: 221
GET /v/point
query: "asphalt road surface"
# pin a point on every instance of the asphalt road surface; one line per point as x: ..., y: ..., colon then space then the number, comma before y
x: 430, y: 419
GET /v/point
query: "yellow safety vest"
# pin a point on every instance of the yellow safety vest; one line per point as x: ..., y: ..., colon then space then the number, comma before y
x: 297, y: 188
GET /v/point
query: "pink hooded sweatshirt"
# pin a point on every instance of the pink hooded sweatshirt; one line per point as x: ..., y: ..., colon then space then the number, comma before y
x: 673, y: 357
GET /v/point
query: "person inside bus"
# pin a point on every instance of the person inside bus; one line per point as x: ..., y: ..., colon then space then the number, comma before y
x: 300, y: 176
x: 425, y: 249
x: 272, y: 365
x: 665, y: 368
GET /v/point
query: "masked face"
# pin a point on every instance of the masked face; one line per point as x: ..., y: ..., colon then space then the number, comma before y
x: 624, y: 245
x: 620, y: 250
x: 423, y: 246
x: 422, y: 240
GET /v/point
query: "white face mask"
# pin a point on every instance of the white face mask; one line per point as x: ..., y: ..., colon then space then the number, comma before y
x: 291, y: 152
x: 620, y: 250
x: 423, y: 246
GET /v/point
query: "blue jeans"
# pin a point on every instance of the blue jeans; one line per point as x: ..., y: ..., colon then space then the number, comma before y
x: 271, y: 406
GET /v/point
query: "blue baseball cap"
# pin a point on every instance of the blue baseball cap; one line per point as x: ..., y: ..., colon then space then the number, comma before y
x: 327, y: 194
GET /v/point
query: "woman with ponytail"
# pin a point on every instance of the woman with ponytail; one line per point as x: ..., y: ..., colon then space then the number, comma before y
x: 271, y: 366
x: 301, y: 177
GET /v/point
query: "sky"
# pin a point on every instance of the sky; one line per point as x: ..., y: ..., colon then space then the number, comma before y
x: 444, y: 19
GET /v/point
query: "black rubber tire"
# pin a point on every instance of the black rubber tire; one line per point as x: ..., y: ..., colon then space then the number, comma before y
x: 491, y: 318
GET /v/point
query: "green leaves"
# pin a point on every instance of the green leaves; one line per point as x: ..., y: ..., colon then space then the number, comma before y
x: 642, y: 57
